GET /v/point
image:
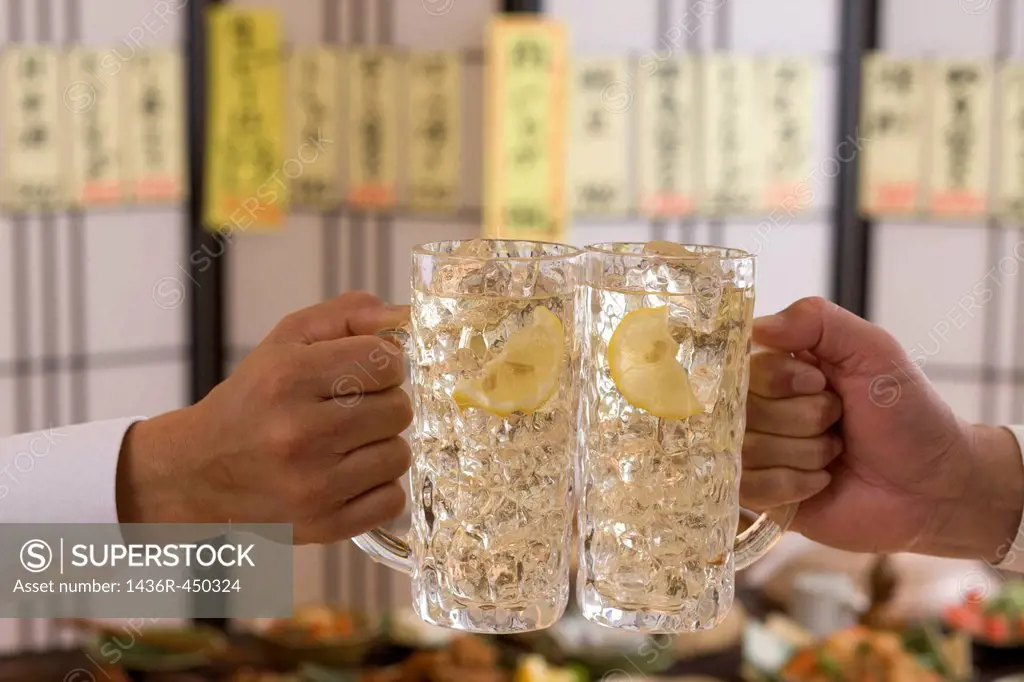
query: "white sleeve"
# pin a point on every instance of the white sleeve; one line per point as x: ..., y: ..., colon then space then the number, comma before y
x: 1013, y: 552
x: 66, y: 474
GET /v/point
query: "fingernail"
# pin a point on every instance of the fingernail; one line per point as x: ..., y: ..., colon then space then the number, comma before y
x: 809, y: 381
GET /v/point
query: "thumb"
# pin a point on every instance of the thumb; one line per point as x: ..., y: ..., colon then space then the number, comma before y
x: 832, y: 334
x: 355, y: 313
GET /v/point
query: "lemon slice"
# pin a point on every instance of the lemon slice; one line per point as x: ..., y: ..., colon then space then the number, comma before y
x: 662, y: 248
x: 524, y: 375
x: 642, y: 360
x: 700, y: 263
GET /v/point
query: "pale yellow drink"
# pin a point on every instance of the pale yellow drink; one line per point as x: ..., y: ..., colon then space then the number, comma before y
x: 665, y: 337
x: 493, y: 353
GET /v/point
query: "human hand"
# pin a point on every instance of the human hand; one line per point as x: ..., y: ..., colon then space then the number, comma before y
x: 305, y: 431
x: 840, y: 419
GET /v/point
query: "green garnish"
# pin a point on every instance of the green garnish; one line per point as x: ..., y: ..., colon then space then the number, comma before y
x: 829, y: 666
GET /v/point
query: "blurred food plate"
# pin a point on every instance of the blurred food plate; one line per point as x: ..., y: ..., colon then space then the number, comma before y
x: 604, y: 651
x: 161, y: 650
x: 781, y: 654
x: 993, y: 619
x: 318, y: 634
x: 405, y: 628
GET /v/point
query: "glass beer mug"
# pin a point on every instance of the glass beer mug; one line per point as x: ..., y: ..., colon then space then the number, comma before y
x: 492, y: 343
x: 665, y: 338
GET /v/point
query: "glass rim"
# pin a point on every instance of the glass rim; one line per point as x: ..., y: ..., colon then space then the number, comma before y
x: 426, y: 250
x: 726, y: 253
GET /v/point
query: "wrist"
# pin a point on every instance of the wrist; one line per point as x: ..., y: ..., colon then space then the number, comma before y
x: 149, y: 471
x: 984, y: 520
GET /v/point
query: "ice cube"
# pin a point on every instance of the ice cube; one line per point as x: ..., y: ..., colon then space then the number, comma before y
x: 708, y: 290
x: 495, y: 276
x: 552, y: 281
x: 523, y: 279
x: 476, y: 248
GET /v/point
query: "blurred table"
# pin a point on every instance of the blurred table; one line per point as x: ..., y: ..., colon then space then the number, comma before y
x: 76, y: 666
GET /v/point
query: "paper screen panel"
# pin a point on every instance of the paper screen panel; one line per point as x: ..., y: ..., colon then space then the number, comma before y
x: 97, y: 130
x: 34, y: 123
x: 893, y: 128
x: 667, y: 136
x: 524, y: 194
x: 1010, y: 204
x: 314, y: 126
x: 733, y: 158
x: 154, y: 113
x: 372, y: 130
x: 600, y: 106
x: 787, y: 86
x: 247, y: 173
x: 435, y: 104
x: 960, y: 156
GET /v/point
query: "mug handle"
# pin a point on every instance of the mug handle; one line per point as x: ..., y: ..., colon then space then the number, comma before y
x: 380, y: 545
x: 754, y: 542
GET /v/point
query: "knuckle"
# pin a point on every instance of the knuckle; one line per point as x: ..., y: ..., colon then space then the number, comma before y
x: 820, y: 452
x: 392, y: 501
x: 292, y: 324
x: 286, y: 439
x: 820, y: 414
x: 397, y: 458
x: 813, y: 305
x: 784, y: 486
x: 359, y: 298
x: 277, y: 378
x: 831, y: 411
x: 376, y: 358
x: 752, y: 445
x: 755, y: 409
x: 753, y: 491
x: 298, y: 493
x: 400, y: 409
x: 386, y: 360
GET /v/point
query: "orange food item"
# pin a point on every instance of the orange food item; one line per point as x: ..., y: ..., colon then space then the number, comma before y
x: 997, y: 628
x: 965, y: 618
x: 857, y: 655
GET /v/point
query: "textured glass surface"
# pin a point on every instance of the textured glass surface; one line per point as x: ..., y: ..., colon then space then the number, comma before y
x: 492, y: 496
x: 659, y: 499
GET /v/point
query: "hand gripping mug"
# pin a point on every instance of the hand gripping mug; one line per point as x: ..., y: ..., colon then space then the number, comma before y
x: 492, y: 347
x: 665, y: 338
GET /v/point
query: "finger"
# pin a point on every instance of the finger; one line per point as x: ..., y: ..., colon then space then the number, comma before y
x: 801, y: 417
x: 369, y: 467
x: 777, y: 375
x: 805, y: 356
x: 833, y: 334
x: 765, y: 451
x: 358, y: 364
x: 373, y: 508
x: 352, y: 421
x: 352, y: 314
x: 766, y: 489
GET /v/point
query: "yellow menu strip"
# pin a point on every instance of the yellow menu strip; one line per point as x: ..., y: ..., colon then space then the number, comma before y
x: 525, y: 121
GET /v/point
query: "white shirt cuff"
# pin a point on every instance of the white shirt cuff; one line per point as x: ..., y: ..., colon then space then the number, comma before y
x: 66, y: 474
x: 1012, y: 552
